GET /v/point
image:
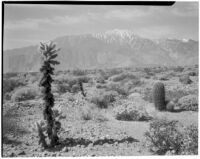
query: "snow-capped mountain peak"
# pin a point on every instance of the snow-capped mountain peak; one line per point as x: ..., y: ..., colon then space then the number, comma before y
x: 117, y: 35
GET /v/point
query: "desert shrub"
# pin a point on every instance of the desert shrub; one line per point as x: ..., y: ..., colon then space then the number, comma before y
x: 63, y: 88
x: 123, y: 76
x: 192, y: 73
x: 83, y: 79
x: 86, y: 112
x: 78, y: 72
x: 75, y: 88
x: 10, y: 84
x: 114, y: 71
x: 103, y: 99
x: 100, y: 79
x: 90, y: 112
x: 189, y: 102
x: 166, y: 137
x: 118, y: 88
x: 148, y: 71
x: 11, y: 124
x: 190, y: 141
x: 34, y: 79
x: 10, y: 75
x: 100, y: 86
x: 24, y: 93
x: 185, y: 79
x: 104, y: 74
x: 163, y: 136
x: 178, y: 69
x: 175, y: 94
x: 131, y: 111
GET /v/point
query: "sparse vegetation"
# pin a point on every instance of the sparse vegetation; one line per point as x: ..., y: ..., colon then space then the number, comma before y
x: 131, y: 111
x: 166, y: 137
x: 25, y: 93
x: 189, y: 102
x: 109, y: 111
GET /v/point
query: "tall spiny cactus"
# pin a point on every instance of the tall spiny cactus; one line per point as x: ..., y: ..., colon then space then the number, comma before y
x: 49, y: 53
x: 159, y: 96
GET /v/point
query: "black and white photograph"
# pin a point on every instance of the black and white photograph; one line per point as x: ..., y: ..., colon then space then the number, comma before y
x: 99, y: 78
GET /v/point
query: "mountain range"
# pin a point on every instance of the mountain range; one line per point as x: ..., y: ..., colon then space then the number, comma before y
x: 114, y: 48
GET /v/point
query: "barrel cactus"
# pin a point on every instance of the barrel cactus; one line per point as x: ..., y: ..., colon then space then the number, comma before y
x: 159, y: 96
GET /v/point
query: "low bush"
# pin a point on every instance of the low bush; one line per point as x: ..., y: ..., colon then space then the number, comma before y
x: 24, y: 93
x: 131, y: 111
x: 190, y: 141
x: 78, y: 72
x: 89, y: 112
x: 163, y: 136
x: 11, y: 124
x: 175, y: 94
x: 10, y: 84
x: 178, y: 69
x: 118, y: 88
x: 185, y: 79
x: 189, y: 102
x: 63, y: 88
x: 103, y: 99
x: 123, y: 76
x: 166, y: 138
x: 70, y: 83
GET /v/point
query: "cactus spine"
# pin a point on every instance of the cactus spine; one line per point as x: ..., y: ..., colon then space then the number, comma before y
x: 48, y: 52
x: 159, y: 96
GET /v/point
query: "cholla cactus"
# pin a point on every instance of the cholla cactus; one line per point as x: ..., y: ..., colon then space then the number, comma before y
x: 81, y: 88
x: 48, y: 52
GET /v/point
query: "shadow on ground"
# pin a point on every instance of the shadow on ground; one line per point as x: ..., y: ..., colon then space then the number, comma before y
x: 72, y: 142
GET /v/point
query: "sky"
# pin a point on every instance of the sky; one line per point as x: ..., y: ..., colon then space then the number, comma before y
x: 26, y: 25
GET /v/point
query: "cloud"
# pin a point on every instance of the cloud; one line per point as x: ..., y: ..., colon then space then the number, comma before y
x: 34, y: 24
x: 125, y: 14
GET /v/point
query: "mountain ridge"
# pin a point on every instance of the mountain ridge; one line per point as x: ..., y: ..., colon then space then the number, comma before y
x: 115, y: 48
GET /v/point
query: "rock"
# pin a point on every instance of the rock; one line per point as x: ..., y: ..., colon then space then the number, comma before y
x: 170, y: 106
x: 65, y: 149
x: 54, y: 155
x: 12, y: 154
x: 21, y: 153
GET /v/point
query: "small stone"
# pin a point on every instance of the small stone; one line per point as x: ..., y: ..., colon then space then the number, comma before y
x: 53, y: 155
x: 65, y: 149
x: 21, y: 153
x: 12, y: 155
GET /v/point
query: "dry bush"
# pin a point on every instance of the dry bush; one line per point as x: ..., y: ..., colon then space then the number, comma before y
x: 70, y: 83
x: 118, y: 88
x: 63, y: 88
x: 123, y: 76
x: 178, y: 69
x: 190, y: 141
x: 167, y: 138
x: 189, y: 102
x: 175, y: 94
x: 103, y: 99
x: 90, y: 112
x: 25, y: 93
x: 131, y: 110
x: 78, y: 72
x: 11, y: 124
x: 10, y: 84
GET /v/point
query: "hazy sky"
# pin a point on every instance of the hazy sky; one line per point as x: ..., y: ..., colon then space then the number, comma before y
x: 29, y: 24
